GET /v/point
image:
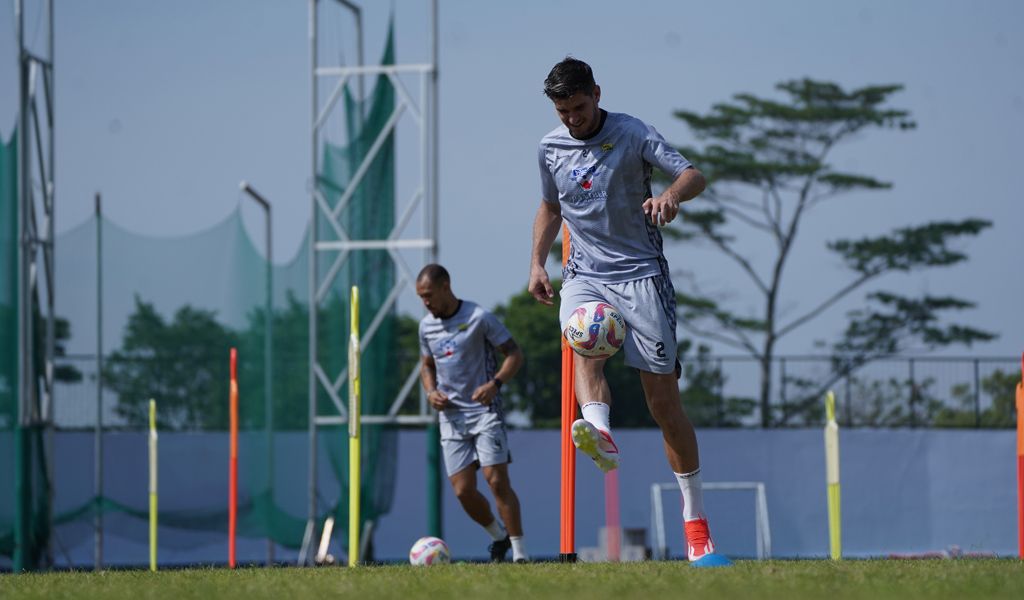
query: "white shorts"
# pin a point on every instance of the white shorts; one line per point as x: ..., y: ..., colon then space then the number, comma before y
x: 649, y: 309
x: 474, y: 438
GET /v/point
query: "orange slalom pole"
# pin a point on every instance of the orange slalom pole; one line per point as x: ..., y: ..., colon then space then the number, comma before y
x: 1020, y: 461
x: 233, y: 462
x: 567, y: 546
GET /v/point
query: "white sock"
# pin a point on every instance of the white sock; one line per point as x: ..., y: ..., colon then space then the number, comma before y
x: 497, y: 530
x: 519, y: 548
x: 596, y: 413
x: 693, y: 495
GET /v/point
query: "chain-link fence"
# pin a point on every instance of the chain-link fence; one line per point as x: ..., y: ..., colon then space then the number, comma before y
x: 974, y: 392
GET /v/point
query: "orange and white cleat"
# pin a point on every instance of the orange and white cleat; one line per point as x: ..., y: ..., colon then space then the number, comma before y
x: 596, y: 444
x: 700, y: 549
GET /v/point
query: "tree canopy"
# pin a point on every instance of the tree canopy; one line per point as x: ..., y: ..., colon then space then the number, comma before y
x: 768, y: 164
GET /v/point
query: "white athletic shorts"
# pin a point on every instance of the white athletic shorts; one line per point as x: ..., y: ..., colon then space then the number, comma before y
x: 649, y: 309
x: 475, y: 438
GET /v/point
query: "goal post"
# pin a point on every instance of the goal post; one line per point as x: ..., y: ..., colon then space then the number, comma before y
x: 762, y: 531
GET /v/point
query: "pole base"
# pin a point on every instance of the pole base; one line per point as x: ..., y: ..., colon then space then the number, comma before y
x: 567, y: 557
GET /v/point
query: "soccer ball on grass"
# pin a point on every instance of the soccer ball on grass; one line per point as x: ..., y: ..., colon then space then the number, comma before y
x: 429, y: 551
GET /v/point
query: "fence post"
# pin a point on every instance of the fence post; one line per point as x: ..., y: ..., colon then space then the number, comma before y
x: 782, y: 389
x: 720, y: 416
x: 977, y: 396
x: 913, y: 394
x: 849, y: 400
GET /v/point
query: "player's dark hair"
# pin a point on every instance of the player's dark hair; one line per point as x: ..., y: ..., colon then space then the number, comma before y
x: 434, y: 273
x: 569, y: 77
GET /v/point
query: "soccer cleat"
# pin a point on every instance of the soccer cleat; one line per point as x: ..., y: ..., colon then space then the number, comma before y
x: 700, y: 549
x: 596, y: 444
x: 499, y: 549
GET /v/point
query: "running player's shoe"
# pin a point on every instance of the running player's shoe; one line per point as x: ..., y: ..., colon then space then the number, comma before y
x: 596, y: 444
x: 700, y: 549
x: 499, y: 549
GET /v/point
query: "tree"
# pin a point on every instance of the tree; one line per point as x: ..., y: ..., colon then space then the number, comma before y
x: 183, y: 363
x: 1000, y: 387
x: 767, y: 166
x: 703, y: 397
x: 290, y: 365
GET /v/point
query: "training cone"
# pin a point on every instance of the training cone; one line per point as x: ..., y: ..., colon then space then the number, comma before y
x: 711, y: 560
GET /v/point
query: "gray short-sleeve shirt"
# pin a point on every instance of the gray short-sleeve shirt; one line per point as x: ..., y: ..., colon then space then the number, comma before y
x: 601, y: 184
x: 464, y: 350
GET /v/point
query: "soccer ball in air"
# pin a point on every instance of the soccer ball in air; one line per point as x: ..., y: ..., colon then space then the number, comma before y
x: 595, y: 330
x: 429, y: 551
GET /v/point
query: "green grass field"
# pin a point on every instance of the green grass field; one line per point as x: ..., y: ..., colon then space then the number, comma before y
x: 995, y: 578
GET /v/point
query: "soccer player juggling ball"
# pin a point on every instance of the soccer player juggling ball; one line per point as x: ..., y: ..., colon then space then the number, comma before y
x: 463, y: 380
x: 595, y: 172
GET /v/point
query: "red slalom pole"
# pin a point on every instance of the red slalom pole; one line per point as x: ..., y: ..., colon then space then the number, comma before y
x: 233, y: 462
x: 612, y: 520
x: 567, y: 541
x: 1020, y: 461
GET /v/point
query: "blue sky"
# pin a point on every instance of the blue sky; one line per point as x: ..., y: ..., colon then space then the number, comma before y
x: 165, y: 107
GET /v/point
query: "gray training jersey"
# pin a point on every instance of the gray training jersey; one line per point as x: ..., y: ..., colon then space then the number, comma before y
x: 463, y: 347
x: 601, y: 184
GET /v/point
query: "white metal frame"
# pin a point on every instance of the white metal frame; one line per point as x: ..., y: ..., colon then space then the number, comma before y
x: 762, y: 530
x: 336, y: 252
x: 36, y: 197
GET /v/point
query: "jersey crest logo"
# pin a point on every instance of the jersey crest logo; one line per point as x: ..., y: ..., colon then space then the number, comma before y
x: 448, y: 347
x: 584, y: 177
x: 606, y: 147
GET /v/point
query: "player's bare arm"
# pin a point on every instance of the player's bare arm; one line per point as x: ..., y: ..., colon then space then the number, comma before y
x: 486, y: 393
x: 545, y: 230
x: 428, y: 375
x: 663, y: 209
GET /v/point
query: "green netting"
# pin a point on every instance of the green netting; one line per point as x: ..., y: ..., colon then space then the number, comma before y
x: 8, y: 338
x: 24, y: 501
x: 173, y: 307
x: 369, y: 215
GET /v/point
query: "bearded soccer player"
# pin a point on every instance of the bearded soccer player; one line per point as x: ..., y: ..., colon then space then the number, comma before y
x: 460, y: 373
x: 595, y: 174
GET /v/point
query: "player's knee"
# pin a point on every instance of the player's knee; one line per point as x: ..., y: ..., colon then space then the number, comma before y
x: 499, y: 485
x: 464, y: 487
x: 464, y: 492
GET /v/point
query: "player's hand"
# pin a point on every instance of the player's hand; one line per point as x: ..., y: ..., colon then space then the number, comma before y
x: 540, y: 285
x: 438, y: 399
x: 486, y: 393
x: 661, y: 210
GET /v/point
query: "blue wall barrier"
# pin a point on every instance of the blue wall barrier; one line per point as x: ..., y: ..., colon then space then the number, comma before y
x: 903, y: 491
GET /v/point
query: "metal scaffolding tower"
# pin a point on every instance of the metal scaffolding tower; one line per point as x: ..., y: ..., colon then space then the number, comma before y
x: 35, y: 262
x: 335, y: 252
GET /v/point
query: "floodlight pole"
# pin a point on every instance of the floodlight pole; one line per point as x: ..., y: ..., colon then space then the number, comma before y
x: 357, y: 14
x: 268, y: 363
x: 98, y: 436
x: 435, y: 510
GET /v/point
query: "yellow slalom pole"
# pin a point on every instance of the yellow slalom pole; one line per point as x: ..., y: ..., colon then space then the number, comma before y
x: 832, y: 477
x: 152, y: 485
x: 354, y: 413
